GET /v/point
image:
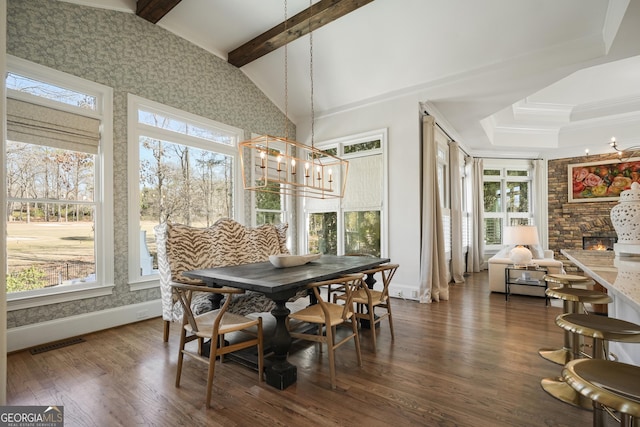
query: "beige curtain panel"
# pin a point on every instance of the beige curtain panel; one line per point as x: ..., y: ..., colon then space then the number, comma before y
x: 38, y: 124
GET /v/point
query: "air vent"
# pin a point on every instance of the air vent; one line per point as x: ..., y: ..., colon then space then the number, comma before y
x: 56, y: 345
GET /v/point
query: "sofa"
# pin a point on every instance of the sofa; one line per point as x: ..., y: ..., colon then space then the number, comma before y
x: 498, y: 263
x: 227, y: 242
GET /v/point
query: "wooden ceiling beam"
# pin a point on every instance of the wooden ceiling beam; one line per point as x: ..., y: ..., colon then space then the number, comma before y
x: 321, y: 13
x: 154, y: 10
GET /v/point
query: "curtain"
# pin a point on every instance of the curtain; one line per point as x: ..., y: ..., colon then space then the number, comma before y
x: 457, y: 249
x: 38, y: 124
x: 540, y: 201
x: 433, y: 266
x: 475, y: 257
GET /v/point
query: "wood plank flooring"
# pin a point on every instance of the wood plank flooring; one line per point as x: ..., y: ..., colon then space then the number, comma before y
x: 469, y: 361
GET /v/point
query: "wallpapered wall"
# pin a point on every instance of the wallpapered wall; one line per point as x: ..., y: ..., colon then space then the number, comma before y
x: 134, y: 56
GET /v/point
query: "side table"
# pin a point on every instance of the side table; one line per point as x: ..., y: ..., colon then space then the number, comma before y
x: 527, y: 275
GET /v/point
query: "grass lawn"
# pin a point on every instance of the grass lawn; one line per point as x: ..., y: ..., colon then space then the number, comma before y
x: 48, y: 242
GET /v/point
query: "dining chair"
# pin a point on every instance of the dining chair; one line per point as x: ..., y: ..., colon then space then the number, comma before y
x: 213, y: 325
x: 327, y: 316
x: 367, y: 300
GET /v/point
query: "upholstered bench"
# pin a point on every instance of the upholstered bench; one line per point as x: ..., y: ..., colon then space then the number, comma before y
x: 227, y: 242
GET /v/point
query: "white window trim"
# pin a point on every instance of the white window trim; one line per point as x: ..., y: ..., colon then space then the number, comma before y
x: 104, y: 179
x: 134, y: 103
x: 513, y: 165
x: 382, y: 135
x: 286, y: 201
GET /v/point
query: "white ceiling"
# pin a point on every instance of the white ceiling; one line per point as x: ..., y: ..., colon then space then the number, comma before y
x: 505, y: 78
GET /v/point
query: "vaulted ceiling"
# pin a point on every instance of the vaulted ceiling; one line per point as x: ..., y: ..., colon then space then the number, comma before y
x: 505, y: 78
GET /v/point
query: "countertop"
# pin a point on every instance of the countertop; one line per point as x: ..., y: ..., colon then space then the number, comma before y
x: 619, y: 274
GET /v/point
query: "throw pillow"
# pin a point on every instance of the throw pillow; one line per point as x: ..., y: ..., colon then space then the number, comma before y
x: 537, y: 251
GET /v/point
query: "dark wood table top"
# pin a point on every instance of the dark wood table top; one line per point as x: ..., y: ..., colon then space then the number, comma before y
x: 275, y: 282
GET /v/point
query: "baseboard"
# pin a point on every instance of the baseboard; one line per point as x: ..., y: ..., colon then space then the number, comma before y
x: 403, y: 291
x: 28, y: 336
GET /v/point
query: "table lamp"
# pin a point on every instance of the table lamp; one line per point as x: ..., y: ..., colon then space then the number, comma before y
x: 521, y: 235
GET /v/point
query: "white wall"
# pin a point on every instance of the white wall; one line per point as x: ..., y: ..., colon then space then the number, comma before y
x: 402, y: 119
x: 3, y: 255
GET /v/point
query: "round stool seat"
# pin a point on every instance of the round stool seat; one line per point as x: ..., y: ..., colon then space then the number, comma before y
x: 573, y: 298
x: 579, y: 295
x: 612, y: 384
x: 600, y: 327
x: 568, y: 279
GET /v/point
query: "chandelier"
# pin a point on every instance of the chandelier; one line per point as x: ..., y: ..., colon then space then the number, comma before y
x: 280, y: 165
x: 624, y: 155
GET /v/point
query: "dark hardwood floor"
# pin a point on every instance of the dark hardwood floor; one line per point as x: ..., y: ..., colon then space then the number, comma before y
x: 469, y: 361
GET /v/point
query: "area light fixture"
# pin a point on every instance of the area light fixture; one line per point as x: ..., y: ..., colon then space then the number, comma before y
x: 280, y: 165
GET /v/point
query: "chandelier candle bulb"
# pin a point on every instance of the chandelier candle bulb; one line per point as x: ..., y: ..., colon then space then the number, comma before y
x: 293, y: 166
x: 279, y: 160
x: 262, y: 159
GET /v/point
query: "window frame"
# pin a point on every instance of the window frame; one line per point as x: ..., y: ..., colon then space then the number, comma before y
x: 336, y: 205
x: 103, y: 240
x: 136, y: 280
x: 286, y: 202
x: 504, y: 166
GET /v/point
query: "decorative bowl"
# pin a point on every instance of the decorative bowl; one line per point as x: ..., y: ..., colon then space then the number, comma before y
x: 284, y: 260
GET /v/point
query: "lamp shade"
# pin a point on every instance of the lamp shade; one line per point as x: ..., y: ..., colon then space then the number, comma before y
x: 521, y: 235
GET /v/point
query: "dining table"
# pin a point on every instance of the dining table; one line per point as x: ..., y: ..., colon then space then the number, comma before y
x: 280, y: 284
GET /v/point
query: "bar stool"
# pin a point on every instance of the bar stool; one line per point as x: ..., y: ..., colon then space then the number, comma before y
x: 609, y: 385
x: 568, y: 279
x: 573, y: 300
x: 601, y: 329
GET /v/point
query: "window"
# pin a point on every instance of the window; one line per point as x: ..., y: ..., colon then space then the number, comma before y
x: 507, y: 198
x: 444, y: 187
x: 58, y: 163
x: 182, y: 168
x: 355, y: 223
x: 269, y: 207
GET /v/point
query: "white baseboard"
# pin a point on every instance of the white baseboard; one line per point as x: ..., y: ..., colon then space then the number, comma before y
x: 404, y: 291
x: 28, y: 336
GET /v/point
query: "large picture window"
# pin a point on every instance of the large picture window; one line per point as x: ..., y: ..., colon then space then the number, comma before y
x: 507, y: 198
x: 182, y: 168
x: 355, y: 224
x: 58, y: 163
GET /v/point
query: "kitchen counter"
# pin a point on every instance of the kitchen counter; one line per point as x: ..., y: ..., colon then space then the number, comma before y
x: 620, y: 275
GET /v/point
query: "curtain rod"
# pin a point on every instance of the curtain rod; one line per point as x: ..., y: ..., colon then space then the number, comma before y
x: 447, y: 133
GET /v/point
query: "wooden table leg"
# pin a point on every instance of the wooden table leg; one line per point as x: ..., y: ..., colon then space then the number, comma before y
x: 280, y: 373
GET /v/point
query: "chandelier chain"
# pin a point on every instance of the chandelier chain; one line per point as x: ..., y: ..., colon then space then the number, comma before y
x: 311, y: 77
x: 286, y: 79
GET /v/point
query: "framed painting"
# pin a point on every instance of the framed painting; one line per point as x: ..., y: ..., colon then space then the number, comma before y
x: 602, y: 181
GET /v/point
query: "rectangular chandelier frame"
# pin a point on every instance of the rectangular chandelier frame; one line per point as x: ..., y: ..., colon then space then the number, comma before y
x: 279, y: 165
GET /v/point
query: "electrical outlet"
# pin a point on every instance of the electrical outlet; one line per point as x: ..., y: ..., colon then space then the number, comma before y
x: 414, y: 294
x: 142, y: 314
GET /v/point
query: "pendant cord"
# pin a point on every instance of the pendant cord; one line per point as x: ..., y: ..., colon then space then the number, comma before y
x: 286, y: 79
x: 311, y: 77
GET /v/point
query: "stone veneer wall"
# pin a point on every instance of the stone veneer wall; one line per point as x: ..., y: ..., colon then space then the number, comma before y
x: 569, y: 222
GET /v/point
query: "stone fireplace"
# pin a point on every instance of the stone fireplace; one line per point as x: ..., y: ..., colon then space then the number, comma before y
x: 570, y: 223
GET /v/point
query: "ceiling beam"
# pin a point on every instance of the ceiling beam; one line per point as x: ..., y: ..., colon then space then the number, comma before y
x: 320, y: 14
x: 154, y: 10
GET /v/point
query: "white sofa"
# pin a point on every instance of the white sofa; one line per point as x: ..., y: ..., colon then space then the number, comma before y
x: 501, y: 260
